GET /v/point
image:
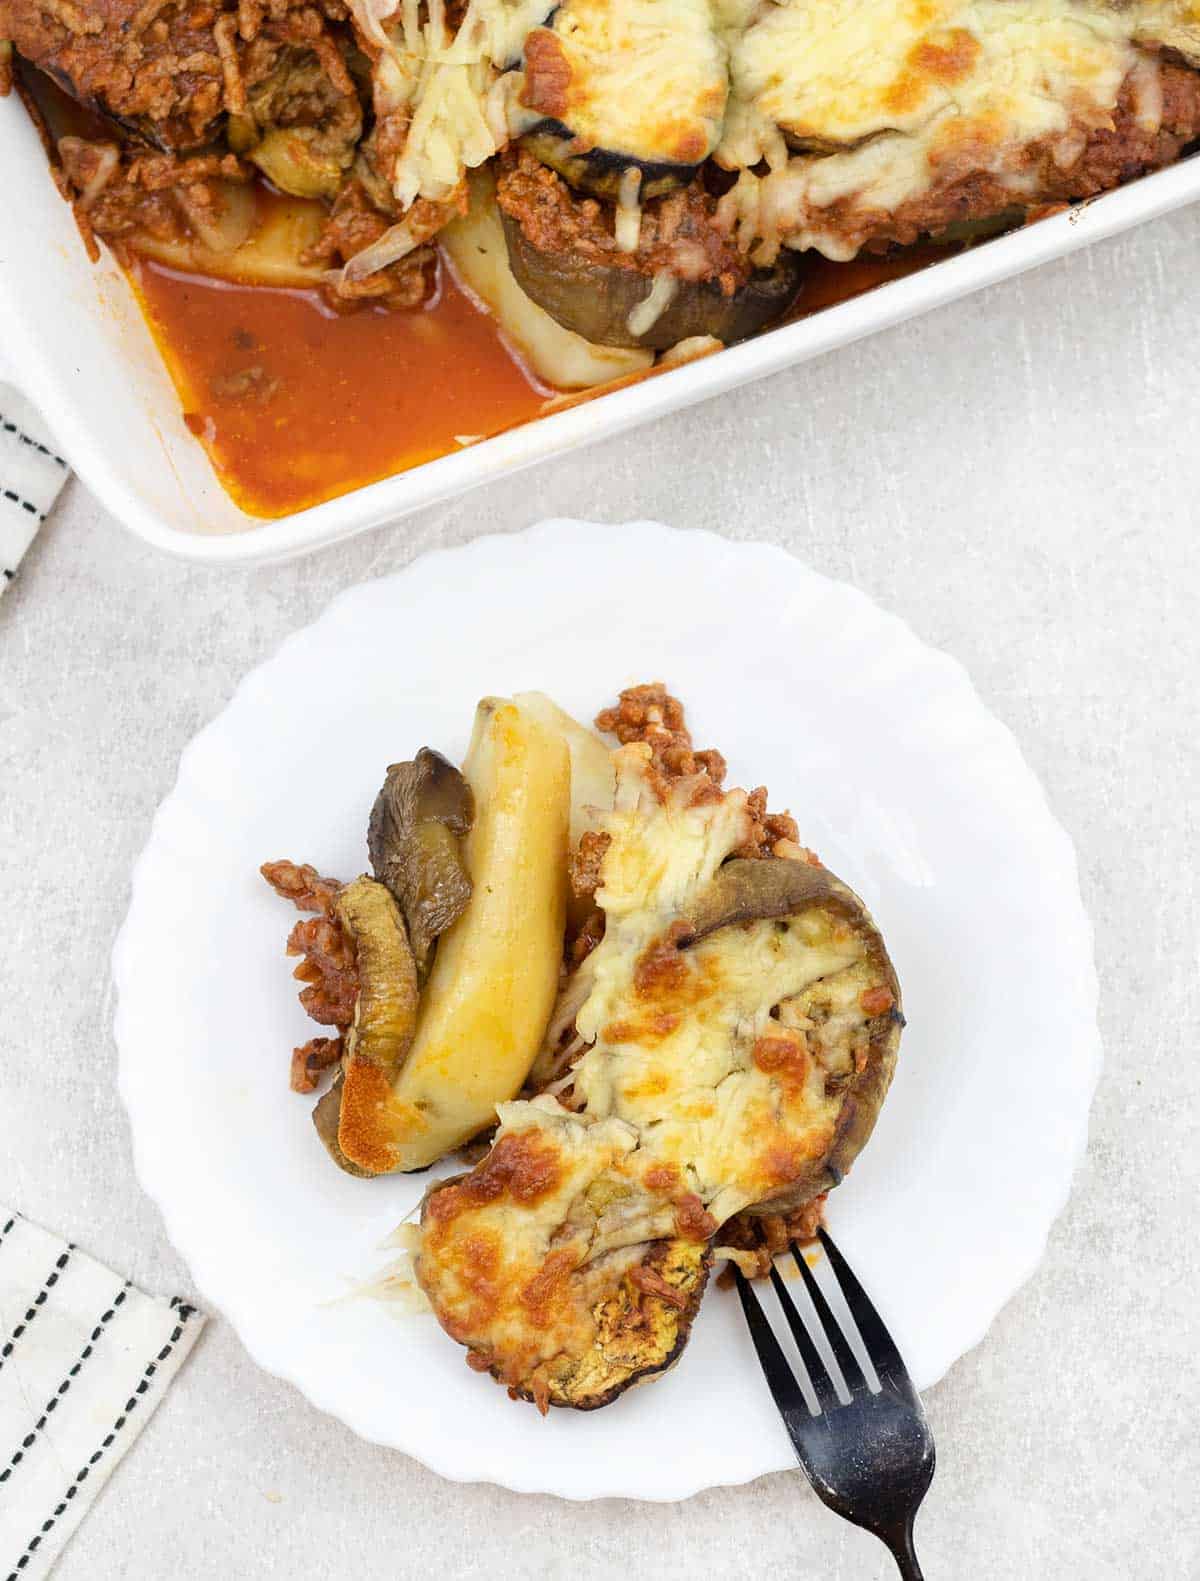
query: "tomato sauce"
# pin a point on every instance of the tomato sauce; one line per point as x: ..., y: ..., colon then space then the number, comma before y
x: 827, y: 284
x: 296, y: 404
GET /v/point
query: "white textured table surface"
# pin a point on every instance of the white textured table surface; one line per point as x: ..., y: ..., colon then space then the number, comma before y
x: 1019, y: 477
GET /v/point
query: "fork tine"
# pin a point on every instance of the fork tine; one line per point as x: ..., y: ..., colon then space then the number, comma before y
x: 846, y: 1359
x: 881, y: 1348
x: 781, y: 1380
x: 823, y: 1385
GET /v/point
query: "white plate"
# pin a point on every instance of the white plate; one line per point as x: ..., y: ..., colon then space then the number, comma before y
x: 899, y: 778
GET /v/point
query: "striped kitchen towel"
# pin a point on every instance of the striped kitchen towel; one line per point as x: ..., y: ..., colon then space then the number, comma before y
x: 85, y: 1359
x: 31, y: 475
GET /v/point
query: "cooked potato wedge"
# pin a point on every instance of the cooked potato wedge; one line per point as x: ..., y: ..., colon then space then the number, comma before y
x: 268, y: 253
x: 489, y: 995
x: 593, y: 773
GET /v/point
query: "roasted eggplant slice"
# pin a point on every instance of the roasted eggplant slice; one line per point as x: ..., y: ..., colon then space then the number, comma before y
x: 619, y: 306
x: 142, y: 77
x: 476, y: 248
x: 532, y: 1261
x: 741, y: 1022
x: 599, y: 172
x: 385, y: 1018
x: 414, y: 840
x: 626, y: 85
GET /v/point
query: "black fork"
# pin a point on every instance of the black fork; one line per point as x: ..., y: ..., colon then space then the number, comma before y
x: 871, y: 1459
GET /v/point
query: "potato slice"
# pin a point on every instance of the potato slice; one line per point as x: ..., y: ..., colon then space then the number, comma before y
x: 593, y: 772
x: 269, y: 255
x: 488, y: 998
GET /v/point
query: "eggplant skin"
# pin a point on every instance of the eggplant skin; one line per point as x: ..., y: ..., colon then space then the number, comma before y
x: 638, y: 1337
x: 863, y: 1094
x: 413, y: 839
x: 745, y: 890
x: 595, y: 300
x: 600, y: 170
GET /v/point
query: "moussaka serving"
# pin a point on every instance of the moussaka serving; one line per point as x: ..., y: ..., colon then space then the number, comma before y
x: 606, y: 182
x: 660, y: 1027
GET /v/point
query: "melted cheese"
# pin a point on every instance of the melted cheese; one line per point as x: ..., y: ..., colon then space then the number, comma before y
x: 854, y: 107
x: 673, y: 1051
x: 887, y: 98
x: 647, y: 78
x: 627, y: 226
x: 693, y: 1099
x: 447, y: 83
x: 642, y: 318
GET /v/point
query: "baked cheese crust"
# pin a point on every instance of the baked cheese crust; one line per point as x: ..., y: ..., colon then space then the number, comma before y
x: 720, y: 1073
x: 833, y: 114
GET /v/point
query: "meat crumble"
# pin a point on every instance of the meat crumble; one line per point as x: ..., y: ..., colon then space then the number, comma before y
x: 678, y: 233
x: 328, y: 966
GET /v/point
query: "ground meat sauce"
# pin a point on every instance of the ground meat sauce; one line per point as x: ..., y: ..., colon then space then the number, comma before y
x: 584, y: 864
x: 354, y: 223
x: 678, y: 233
x: 762, y: 1237
x: 328, y: 967
x: 649, y: 713
x: 170, y: 69
x: 311, y: 1060
x: 159, y: 195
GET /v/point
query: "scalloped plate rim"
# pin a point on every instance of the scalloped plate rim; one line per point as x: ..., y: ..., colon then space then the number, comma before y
x: 1088, y: 1044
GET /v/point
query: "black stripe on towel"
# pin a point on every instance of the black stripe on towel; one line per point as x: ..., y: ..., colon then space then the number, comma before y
x: 39, y: 1302
x: 26, y: 505
x: 109, y: 1439
x: 27, y: 439
x: 65, y: 1385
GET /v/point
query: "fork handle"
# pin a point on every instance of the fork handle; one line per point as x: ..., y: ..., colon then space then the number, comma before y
x: 900, y: 1542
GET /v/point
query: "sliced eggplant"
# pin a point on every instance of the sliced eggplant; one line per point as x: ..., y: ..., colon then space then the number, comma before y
x: 744, y: 891
x: 417, y: 824
x: 598, y: 1298
x: 626, y: 85
x: 385, y: 1019
x: 755, y: 890
x: 614, y: 306
x: 476, y: 249
x: 603, y: 173
x: 965, y: 232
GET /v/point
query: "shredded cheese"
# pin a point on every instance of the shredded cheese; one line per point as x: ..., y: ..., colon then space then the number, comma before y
x: 627, y: 227
x: 643, y: 317
x: 460, y: 110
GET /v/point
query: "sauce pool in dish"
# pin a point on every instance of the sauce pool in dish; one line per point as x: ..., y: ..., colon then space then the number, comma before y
x: 296, y: 404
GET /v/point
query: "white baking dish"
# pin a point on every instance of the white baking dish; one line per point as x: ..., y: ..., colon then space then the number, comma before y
x: 72, y: 337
